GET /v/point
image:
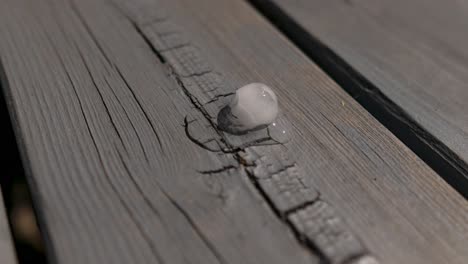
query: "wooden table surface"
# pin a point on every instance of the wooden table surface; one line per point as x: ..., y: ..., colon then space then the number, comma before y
x: 114, y: 105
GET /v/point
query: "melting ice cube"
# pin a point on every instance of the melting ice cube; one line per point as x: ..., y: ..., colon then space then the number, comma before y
x: 253, y: 107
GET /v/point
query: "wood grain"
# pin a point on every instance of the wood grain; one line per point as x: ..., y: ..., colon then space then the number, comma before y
x: 115, y: 100
x: 406, y: 61
x: 7, y: 253
x: 116, y: 178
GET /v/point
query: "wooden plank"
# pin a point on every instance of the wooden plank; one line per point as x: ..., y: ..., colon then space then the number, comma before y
x: 405, y: 60
x: 101, y: 126
x: 7, y: 252
x: 130, y: 164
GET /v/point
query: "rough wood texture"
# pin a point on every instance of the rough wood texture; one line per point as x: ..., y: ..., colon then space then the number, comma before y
x: 318, y: 222
x: 114, y: 176
x: 7, y: 253
x: 115, y: 100
x: 412, y: 53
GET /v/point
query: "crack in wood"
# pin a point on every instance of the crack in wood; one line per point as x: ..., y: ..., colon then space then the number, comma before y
x: 217, y: 97
x: 220, y: 170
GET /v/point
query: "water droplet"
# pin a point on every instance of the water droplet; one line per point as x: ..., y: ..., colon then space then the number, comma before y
x: 281, y: 129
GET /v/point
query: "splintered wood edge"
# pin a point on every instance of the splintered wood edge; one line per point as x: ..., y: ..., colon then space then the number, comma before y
x: 280, y: 182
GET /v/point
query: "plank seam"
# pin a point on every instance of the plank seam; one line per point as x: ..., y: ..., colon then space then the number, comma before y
x: 431, y: 150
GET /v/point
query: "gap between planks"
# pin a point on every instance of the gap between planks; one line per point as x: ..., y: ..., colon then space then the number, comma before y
x: 441, y: 158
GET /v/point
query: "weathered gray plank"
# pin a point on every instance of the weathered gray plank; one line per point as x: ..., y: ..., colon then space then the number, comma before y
x: 414, y: 52
x: 103, y: 138
x: 7, y: 253
x: 119, y: 170
x: 257, y: 48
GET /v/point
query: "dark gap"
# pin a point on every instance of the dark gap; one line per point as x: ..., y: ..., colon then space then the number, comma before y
x: 19, y: 209
x: 433, y: 152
